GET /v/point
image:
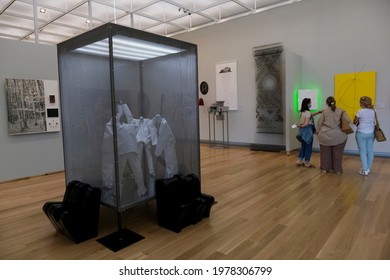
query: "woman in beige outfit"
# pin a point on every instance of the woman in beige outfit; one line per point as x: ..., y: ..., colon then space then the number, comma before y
x: 331, y: 138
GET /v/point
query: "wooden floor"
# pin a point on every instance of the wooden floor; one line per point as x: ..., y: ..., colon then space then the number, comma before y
x: 267, y: 209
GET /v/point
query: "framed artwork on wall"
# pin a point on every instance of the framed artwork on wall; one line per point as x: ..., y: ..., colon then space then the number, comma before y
x: 308, y: 93
x: 226, y: 83
x: 32, y: 106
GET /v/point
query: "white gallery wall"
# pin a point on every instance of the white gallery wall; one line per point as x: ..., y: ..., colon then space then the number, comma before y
x: 31, y: 154
x: 331, y: 36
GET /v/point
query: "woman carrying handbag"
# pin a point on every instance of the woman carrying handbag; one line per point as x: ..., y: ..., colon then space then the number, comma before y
x: 331, y: 138
x: 365, y: 123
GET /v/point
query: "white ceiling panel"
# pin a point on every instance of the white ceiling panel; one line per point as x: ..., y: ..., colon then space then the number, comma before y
x: 200, y: 4
x: 65, y: 32
x: 62, y: 5
x: 16, y: 22
x: 46, y: 38
x: 124, y: 5
x: 64, y: 19
x: 224, y: 11
x: 162, y: 11
x: 128, y: 5
x: 257, y: 4
x: 106, y: 13
x: 191, y: 21
x: 72, y: 20
x: 12, y: 32
x: 20, y: 8
x: 140, y: 22
x: 81, y: 11
x: 163, y: 29
x: 48, y: 15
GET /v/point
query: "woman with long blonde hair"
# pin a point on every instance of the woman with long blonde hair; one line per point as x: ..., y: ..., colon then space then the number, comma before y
x: 365, y: 123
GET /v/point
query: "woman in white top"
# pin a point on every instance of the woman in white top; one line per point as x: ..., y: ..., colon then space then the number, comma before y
x: 365, y: 123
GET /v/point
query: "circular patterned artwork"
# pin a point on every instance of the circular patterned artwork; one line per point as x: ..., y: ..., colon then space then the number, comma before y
x: 204, y: 87
x: 269, y: 82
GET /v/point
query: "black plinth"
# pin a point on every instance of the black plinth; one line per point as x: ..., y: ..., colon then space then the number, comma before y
x: 120, y: 239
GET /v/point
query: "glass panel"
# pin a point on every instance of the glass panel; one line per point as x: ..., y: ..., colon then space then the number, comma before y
x: 150, y: 132
x: 86, y: 106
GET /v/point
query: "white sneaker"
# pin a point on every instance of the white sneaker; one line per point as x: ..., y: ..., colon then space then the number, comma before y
x: 364, y: 173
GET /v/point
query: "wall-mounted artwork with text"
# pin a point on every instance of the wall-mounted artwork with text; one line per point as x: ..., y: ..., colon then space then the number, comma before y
x: 33, y: 106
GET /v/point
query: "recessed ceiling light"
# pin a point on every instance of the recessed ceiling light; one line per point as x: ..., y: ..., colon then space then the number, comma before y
x: 42, y: 10
x: 129, y: 48
x: 88, y: 21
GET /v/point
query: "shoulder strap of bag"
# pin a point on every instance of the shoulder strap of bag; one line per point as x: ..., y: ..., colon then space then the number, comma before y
x: 342, y: 115
x: 376, y: 119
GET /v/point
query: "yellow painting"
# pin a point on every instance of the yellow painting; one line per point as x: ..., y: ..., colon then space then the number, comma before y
x: 348, y: 88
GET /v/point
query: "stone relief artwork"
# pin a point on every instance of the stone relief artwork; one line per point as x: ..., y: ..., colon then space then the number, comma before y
x: 269, y: 98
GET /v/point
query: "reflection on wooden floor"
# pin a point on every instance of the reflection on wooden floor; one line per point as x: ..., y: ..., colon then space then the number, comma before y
x: 267, y: 209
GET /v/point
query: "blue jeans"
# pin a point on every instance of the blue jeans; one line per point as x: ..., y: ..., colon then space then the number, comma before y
x: 305, y: 151
x: 365, y: 143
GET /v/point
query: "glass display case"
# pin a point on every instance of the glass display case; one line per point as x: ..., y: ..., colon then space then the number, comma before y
x: 129, y: 106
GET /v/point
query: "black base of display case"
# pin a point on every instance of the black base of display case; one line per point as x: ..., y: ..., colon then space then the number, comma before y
x: 267, y: 148
x: 120, y: 239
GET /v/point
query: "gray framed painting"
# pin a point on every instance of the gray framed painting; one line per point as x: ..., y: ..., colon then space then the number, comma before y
x: 33, y: 106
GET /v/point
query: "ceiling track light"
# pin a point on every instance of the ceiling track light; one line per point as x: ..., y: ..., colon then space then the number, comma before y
x: 185, y: 11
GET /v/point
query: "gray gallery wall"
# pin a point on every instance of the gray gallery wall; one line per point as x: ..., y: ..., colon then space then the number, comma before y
x: 33, y: 154
x: 331, y: 36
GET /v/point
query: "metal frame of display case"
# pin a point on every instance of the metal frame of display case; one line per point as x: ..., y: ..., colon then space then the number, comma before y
x: 107, y: 33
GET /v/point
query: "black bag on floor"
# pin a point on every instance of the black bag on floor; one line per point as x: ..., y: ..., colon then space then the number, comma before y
x: 180, y: 202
